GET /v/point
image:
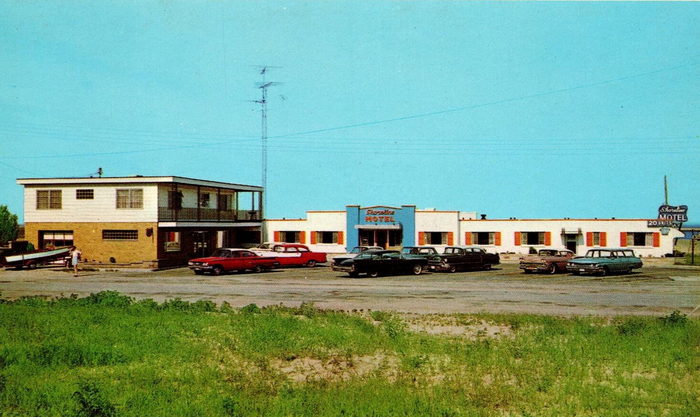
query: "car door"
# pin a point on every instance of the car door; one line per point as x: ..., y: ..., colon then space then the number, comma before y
x: 473, y: 259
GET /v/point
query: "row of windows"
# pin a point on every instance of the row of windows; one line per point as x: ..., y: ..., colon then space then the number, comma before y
x: 61, y: 238
x: 224, y: 201
x: 639, y: 239
x: 53, y: 199
x: 320, y: 237
x: 131, y: 198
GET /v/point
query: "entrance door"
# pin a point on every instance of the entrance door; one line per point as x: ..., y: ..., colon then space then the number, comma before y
x: 200, y: 242
x: 571, y: 242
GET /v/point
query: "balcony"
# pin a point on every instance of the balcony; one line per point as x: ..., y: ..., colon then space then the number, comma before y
x: 201, y: 214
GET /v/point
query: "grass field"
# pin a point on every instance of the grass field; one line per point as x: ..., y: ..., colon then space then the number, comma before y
x: 108, y: 355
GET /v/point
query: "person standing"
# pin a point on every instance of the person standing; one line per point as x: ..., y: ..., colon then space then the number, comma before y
x: 74, y: 259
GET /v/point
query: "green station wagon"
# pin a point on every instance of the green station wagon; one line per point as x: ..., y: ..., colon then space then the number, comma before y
x: 604, y: 262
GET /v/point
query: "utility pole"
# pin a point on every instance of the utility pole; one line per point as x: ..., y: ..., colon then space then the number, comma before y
x: 263, y: 86
x: 665, y: 191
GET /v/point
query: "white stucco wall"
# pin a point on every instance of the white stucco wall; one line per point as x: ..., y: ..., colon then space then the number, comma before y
x: 102, y: 208
x: 459, y: 223
x: 316, y: 221
x: 580, y: 227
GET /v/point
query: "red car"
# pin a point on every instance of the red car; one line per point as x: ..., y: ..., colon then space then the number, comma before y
x: 291, y: 254
x: 227, y: 260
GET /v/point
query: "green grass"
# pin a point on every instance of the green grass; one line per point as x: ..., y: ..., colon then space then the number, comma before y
x: 108, y: 355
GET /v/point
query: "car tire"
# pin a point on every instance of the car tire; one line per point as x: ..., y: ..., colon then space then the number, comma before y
x: 217, y: 270
x: 311, y: 263
x: 417, y: 269
x: 604, y: 272
x: 373, y: 274
x: 487, y: 267
x: 198, y: 272
x: 527, y: 271
x: 353, y: 274
x: 258, y: 269
x: 452, y: 269
x: 552, y: 269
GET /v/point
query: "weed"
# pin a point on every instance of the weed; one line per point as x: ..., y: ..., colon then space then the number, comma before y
x: 109, y: 299
x: 676, y: 318
x: 307, y: 309
x: 250, y: 309
x: 91, y: 401
x: 203, y: 306
x: 632, y: 326
x: 414, y: 362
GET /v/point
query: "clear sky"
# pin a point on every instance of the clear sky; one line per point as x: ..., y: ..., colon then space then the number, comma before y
x: 513, y: 109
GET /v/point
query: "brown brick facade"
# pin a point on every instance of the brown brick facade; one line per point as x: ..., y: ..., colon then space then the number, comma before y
x: 148, y: 250
x: 89, y: 238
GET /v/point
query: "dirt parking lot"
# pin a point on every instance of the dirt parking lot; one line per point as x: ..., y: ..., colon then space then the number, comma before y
x: 650, y: 291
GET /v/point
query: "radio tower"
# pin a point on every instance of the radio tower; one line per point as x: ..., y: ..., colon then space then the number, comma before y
x: 263, y: 86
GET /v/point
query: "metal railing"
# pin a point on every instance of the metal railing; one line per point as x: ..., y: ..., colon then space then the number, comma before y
x: 190, y: 214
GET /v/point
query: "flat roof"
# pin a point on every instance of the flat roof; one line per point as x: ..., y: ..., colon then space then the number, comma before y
x: 136, y: 179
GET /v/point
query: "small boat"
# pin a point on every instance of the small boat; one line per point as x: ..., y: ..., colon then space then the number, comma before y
x: 32, y: 259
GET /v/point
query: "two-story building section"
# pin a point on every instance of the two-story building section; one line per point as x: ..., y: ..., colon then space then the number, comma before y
x: 143, y: 221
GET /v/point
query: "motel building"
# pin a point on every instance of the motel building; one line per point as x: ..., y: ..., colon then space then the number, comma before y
x: 396, y: 227
x: 137, y: 221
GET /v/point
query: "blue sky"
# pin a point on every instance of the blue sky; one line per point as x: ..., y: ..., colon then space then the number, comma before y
x: 525, y: 109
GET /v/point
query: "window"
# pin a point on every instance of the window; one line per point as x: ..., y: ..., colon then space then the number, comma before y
x: 120, y: 235
x: 532, y: 238
x: 49, y: 199
x: 290, y: 237
x: 171, y: 241
x: 85, y: 194
x: 326, y: 237
x: 55, y: 239
x: 174, y: 200
x: 130, y: 198
x: 639, y: 239
x: 435, y: 238
x: 483, y: 238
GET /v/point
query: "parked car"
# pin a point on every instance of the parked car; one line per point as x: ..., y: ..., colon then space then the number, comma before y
x: 604, y: 262
x: 427, y: 252
x: 353, y: 253
x: 232, y: 259
x: 459, y: 258
x: 385, y: 262
x: 292, y: 254
x: 546, y: 261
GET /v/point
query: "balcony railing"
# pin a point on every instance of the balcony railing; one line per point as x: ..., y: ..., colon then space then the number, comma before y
x: 188, y: 214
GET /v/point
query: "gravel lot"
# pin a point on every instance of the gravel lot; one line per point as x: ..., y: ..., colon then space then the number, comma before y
x: 650, y: 291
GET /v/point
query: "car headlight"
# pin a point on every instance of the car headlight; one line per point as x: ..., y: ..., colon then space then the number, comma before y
x: 190, y: 263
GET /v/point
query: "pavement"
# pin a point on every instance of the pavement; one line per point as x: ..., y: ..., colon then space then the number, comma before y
x: 656, y: 290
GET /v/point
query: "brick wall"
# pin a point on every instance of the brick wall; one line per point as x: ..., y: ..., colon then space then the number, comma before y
x: 88, y: 237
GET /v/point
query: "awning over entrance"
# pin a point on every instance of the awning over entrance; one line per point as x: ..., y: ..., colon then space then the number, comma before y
x: 571, y: 231
x: 378, y: 226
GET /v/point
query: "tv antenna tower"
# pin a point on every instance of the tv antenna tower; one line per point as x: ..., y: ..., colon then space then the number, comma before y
x: 263, y: 86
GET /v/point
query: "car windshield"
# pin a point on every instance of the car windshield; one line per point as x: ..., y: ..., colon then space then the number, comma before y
x: 407, y: 251
x: 356, y: 249
x: 547, y: 252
